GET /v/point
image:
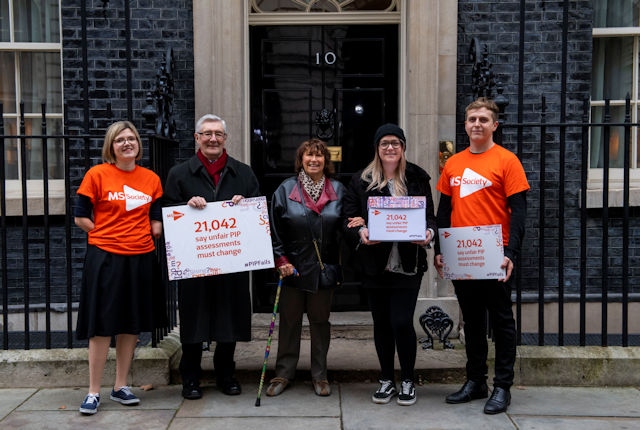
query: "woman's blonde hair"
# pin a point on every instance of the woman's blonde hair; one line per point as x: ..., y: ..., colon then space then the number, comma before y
x: 374, y: 174
x: 108, y: 156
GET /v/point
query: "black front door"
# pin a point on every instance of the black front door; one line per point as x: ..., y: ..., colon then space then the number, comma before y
x: 338, y: 83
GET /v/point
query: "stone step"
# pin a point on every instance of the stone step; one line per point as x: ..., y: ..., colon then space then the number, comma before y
x: 351, y: 358
x: 348, y: 325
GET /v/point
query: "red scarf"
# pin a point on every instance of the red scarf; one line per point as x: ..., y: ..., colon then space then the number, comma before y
x: 214, y: 168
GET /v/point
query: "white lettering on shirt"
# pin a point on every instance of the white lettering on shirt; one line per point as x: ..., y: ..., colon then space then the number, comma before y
x: 469, y: 182
x: 132, y: 197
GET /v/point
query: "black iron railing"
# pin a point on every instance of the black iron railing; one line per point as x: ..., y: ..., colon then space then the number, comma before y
x: 576, y: 257
x: 42, y: 252
x: 579, y: 253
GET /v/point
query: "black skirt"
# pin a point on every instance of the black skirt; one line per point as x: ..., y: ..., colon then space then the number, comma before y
x: 117, y: 294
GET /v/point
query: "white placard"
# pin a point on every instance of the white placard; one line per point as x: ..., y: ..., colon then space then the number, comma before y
x: 221, y: 238
x: 472, y: 252
x: 397, y: 219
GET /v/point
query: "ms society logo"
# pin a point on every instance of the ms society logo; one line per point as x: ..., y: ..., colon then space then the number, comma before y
x: 175, y: 215
x: 470, y: 182
x: 132, y: 197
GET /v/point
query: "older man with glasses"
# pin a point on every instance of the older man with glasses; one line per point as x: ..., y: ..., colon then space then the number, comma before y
x: 214, y: 308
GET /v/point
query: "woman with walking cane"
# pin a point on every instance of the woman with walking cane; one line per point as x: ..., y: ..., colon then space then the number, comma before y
x: 305, y: 227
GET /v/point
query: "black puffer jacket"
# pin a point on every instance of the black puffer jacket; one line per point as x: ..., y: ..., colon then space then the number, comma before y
x: 290, y: 229
x: 372, y: 259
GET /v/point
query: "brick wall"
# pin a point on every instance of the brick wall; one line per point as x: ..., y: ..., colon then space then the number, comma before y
x: 155, y: 26
x: 525, y: 78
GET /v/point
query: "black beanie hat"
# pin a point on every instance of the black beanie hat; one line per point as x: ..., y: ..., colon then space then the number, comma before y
x: 387, y: 129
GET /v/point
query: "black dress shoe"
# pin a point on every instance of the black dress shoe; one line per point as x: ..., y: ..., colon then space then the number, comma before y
x: 471, y: 390
x: 191, y: 391
x: 498, y: 402
x: 229, y: 386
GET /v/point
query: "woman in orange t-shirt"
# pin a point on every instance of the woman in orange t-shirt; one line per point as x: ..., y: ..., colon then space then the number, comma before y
x: 118, y: 206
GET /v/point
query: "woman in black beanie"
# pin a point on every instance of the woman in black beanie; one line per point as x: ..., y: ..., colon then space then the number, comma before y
x: 391, y: 271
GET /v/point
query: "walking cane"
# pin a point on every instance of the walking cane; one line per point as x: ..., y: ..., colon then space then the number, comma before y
x: 268, y: 348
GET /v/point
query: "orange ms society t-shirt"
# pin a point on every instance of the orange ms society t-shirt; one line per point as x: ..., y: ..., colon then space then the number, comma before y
x: 479, y: 185
x: 121, y: 203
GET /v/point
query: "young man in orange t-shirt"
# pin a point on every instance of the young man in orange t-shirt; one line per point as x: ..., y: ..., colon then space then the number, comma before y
x: 484, y: 185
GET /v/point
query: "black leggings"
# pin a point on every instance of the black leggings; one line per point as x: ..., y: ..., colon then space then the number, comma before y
x: 392, y: 310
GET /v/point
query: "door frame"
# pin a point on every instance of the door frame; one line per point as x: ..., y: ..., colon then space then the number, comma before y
x: 323, y: 19
x: 428, y: 68
x: 379, y: 78
x: 320, y: 19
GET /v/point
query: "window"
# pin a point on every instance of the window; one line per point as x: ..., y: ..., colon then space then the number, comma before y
x: 262, y: 6
x: 616, y: 73
x: 30, y: 75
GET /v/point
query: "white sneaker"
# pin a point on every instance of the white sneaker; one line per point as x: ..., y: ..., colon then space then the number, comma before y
x: 385, y: 393
x: 407, y: 396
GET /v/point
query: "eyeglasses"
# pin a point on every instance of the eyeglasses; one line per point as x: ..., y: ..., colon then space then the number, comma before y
x: 209, y: 134
x: 395, y: 144
x: 122, y: 140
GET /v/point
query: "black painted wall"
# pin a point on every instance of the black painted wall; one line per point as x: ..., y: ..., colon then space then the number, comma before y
x: 154, y: 27
x: 525, y: 42
x: 528, y: 63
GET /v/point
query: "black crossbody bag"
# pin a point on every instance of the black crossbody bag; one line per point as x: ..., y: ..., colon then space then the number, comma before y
x: 330, y: 274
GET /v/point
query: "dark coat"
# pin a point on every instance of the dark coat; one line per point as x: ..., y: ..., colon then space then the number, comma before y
x: 291, y: 228
x: 214, y: 308
x: 372, y: 259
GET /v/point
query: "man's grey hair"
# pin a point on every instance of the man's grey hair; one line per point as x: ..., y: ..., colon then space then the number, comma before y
x: 210, y: 117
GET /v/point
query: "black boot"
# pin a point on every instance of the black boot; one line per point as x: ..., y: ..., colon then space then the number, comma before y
x: 225, y: 368
x: 191, y: 390
x: 229, y: 385
x: 190, y: 370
